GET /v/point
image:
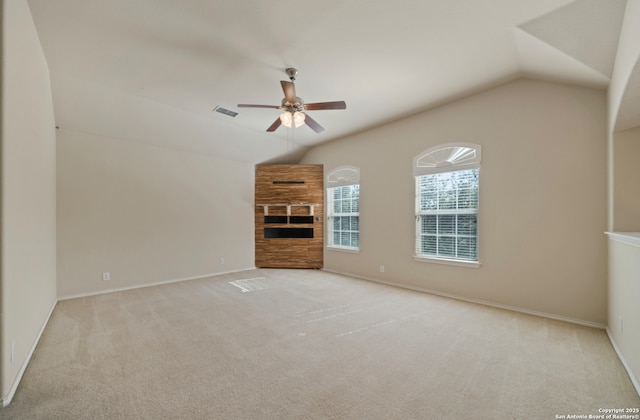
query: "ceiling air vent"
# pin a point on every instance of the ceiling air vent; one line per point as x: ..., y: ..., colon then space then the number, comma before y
x: 225, y: 111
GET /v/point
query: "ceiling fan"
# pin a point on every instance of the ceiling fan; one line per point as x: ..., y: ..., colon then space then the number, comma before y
x: 294, y: 108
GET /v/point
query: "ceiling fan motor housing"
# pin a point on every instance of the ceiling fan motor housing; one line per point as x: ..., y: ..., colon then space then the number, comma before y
x: 298, y: 105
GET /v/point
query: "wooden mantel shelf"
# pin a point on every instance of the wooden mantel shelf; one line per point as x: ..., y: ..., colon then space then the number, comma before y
x: 288, y: 206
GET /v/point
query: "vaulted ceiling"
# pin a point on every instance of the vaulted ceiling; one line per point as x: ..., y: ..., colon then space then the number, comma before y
x: 152, y: 71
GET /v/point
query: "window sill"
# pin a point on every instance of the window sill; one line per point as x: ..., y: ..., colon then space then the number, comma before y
x: 343, y: 249
x: 458, y: 263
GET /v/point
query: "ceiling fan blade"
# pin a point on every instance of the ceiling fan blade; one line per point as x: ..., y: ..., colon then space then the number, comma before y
x: 258, y: 106
x: 325, y: 105
x: 289, y: 90
x: 275, y: 125
x: 313, y: 124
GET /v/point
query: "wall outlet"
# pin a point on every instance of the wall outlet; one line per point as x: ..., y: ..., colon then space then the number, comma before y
x: 382, y: 268
x: 221, y: 260
x: 106, y: 276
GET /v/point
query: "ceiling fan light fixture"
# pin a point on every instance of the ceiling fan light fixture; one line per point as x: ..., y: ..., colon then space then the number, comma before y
x: 289, y: 118
x: 286, y: 119
x: 298, y: 118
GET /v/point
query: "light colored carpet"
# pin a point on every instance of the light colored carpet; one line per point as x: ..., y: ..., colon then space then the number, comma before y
x: 305, y: 344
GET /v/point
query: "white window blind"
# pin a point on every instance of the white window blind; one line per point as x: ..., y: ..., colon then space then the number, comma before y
x: 343, y: 208
x: 447, y: 215
x: 447, y: 202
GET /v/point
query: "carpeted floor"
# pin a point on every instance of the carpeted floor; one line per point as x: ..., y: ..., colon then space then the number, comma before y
x: 305, y: 344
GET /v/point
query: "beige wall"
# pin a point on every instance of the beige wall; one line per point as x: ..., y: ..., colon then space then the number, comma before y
x: 28, y: 281
x: 542, y: 198
x: 626, y: 173
x: 147, y: 214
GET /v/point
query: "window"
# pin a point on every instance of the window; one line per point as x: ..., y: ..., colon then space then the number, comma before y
x: 447, y: 203
x: 343, y: 208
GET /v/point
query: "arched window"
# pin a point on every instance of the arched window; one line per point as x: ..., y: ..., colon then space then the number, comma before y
x: 343, y: 208
x: 447, y: 202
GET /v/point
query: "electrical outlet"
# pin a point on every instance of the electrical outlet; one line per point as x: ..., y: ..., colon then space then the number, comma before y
x: 221, y: 260
x: 382, y: 268
x: 106, y: 276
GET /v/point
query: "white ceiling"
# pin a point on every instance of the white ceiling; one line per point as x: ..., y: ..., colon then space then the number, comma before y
x: 152, y: 71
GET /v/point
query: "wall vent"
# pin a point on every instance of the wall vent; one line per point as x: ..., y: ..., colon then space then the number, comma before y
x: 225, y: 111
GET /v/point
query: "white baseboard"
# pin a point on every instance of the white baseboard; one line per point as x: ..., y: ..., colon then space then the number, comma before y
x: 6, y: 400
x: 633, y: 378
x: 159, y: 283
x: 478, y: 301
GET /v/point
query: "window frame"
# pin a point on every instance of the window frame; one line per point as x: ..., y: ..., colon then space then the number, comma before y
x: 340, y: 177
x: 447, y: 158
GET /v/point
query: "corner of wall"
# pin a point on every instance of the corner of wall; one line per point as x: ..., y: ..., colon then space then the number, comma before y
x: 6, y: 398
x: 1, y: 182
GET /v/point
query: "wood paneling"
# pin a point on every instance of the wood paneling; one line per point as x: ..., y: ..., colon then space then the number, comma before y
x: 289, y: 190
